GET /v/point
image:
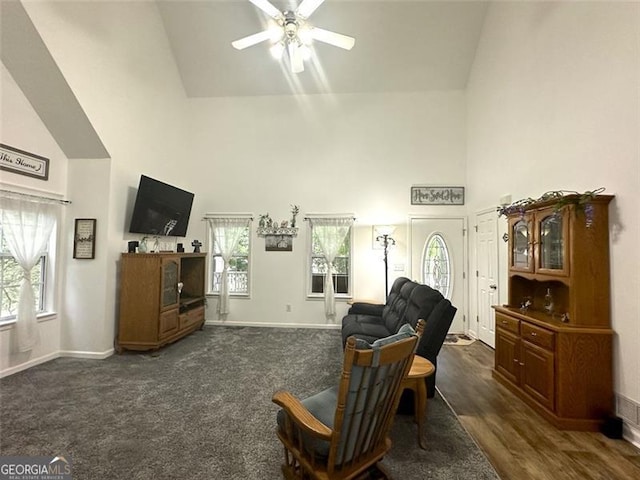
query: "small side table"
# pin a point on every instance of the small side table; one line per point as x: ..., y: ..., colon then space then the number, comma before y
x: 420, y: 369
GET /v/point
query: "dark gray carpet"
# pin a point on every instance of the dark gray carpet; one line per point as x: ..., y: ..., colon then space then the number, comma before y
x: 201, y: 409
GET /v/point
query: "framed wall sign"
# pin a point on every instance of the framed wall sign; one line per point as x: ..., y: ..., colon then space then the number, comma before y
x: 278, y: 243
x: 23, y: 163
x: 84, y: 238
x: 424, y: 195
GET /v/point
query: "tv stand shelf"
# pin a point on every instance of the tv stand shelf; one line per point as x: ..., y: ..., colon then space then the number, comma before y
x: 161, y: 298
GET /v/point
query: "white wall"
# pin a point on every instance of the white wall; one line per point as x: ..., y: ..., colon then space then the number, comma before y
x: 21, y: 128
x: 553, y: 104
x: 116, y: 59
x: 354, y: 154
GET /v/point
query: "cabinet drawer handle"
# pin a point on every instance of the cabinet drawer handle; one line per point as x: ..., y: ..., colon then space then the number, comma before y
x: 515, y: 360
x: 522, y: 364
x: 533, y: 334
x: 504, y: 322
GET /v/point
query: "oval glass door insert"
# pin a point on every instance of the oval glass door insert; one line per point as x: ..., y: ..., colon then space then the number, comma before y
x: 437, y: 266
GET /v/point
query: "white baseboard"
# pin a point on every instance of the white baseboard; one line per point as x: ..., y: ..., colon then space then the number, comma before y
x: 631, y: 434
x: 89, y: 355
x: 31, y: 363
x: 324, y: 326
x: 52, y: 356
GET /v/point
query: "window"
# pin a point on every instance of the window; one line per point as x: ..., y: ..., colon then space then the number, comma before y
x: 239, y: 263
x: 10, y: 278
x: 341, y: 265
x: 437, y: 265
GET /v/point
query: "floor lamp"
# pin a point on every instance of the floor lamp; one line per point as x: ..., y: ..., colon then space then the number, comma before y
x: 384, y: 238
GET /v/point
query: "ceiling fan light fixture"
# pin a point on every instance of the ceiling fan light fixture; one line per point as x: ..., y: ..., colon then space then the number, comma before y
x: 295, y: 57
x: 276, y: 50
x: 291, y: 32
x: 304, y: 34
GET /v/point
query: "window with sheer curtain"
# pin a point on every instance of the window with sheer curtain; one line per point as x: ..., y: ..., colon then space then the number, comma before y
x: 330, y: 259
x: 26, y: 228
x: 238, y: 274
x: 10, y: 278
x: 229, y: 242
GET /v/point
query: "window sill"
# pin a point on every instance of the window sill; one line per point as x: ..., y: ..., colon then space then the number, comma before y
x: 246, y: 296
x: 338, y: 297
x: 41, y: 317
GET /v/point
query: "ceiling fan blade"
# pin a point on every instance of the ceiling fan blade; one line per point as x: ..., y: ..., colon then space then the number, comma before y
x: 268, y: 8
x: 295, y: 57
x: 307, y: 7
x: 252, y: 39
x: 332, y: 38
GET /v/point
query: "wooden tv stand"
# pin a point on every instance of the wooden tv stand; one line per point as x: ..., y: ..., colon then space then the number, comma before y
x: 161, y: 298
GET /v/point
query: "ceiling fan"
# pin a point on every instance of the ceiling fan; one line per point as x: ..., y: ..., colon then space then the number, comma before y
x: 293, y: 33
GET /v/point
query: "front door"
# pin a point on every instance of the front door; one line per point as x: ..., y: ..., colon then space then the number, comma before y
x: 487, y: 276
x: 438, y: 259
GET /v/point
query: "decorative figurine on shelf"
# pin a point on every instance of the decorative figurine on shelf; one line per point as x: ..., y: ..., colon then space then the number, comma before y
x: 295, y: 209
x: 548, y: 302
x: 262, y: 223
x: 196, y: 244
x: 526, y: 303
x: 142, y: 247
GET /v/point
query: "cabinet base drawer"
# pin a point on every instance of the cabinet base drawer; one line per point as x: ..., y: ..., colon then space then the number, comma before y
x: 191, y: 317
x: 507, y: 323
x: 538, y: 336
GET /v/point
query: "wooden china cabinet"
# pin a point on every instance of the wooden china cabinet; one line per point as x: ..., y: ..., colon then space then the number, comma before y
x: 161, y: 298
x: 553, y: 339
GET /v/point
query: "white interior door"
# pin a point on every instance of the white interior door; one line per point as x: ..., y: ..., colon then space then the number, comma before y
x: 487, y: 259
x: 438, y: 259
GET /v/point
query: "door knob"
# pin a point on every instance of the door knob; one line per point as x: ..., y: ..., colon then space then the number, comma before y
x: 493, y: 287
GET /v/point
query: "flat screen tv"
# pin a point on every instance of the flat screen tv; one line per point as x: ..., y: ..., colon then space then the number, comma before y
x: 160, y: 209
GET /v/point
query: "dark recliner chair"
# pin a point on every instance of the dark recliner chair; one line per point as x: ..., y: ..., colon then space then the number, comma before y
x: 407, y: 302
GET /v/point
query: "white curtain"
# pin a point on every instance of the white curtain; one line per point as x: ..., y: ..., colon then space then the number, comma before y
x: 226, y: 234
x: 27, y: 227
x: 330, y: 233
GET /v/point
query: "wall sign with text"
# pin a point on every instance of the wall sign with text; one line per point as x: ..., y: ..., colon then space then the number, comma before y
x: 23, y: 163
x: 423, y: 195
x: 84, y: 238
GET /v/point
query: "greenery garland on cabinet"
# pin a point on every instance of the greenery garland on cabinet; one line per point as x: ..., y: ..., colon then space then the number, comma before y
x: 561, y: 197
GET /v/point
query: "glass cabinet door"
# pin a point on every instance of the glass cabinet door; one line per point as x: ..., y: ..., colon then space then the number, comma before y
x: 552, y: 231
x: 520, y: 253
x: 170, y: 275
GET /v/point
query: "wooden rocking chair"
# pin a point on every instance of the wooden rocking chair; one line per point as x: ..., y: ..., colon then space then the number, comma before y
x: 342, y: 432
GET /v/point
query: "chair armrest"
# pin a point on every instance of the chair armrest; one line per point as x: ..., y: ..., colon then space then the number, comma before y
x: 301, y: 416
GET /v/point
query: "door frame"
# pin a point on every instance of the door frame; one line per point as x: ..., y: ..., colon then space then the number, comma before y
x: 465, y: 257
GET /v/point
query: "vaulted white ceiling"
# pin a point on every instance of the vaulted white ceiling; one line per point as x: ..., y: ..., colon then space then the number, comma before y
x: 401, y: 46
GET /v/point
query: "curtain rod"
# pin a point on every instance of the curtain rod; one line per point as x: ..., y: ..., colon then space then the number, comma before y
x: 329, y: 216
x: 10, y: 193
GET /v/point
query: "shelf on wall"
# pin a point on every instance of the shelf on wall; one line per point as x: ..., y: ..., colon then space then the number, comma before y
x: 292, y: 231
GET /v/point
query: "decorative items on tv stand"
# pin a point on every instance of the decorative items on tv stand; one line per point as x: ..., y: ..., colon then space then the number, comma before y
x: 553, y: 339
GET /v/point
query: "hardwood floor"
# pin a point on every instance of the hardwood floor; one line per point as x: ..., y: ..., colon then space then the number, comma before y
x: 519, y: 443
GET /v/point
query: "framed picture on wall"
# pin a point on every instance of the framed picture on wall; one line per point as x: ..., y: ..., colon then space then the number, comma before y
x: 84, y: 238
x: 278, y: 243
